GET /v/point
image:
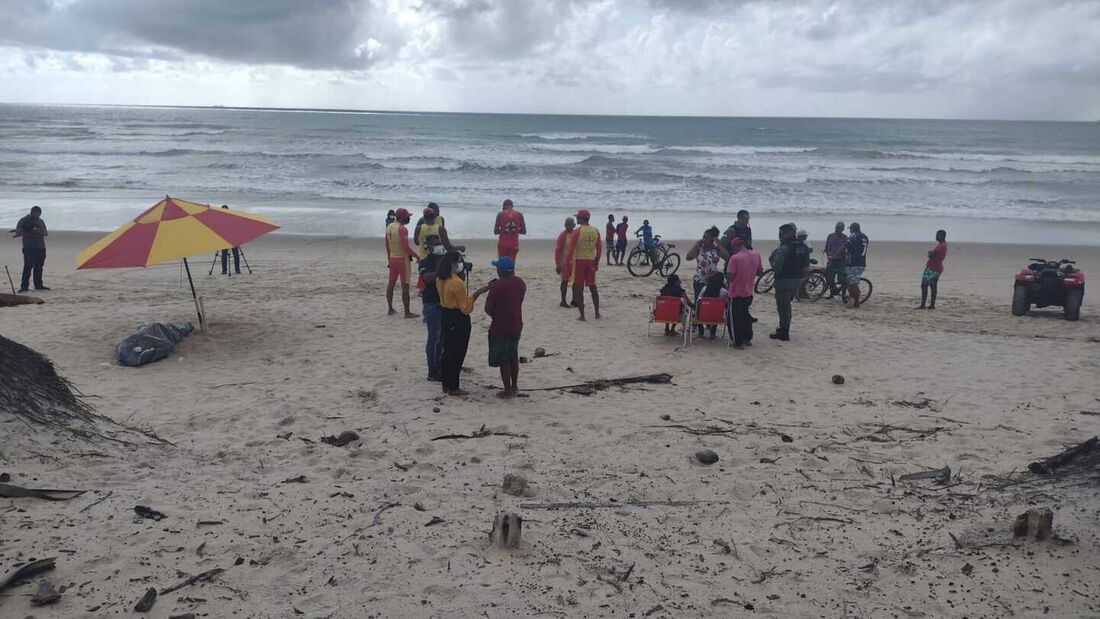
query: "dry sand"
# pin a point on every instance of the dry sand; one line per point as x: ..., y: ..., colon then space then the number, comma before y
x: 803, y: 515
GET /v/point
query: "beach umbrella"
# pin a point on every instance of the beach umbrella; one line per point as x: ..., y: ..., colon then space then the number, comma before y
x: 173, y: 229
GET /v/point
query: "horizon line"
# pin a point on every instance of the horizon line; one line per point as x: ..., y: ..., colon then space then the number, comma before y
x: 324, y: 110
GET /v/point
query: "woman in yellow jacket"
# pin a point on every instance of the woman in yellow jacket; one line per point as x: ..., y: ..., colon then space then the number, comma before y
x: 456, y: 308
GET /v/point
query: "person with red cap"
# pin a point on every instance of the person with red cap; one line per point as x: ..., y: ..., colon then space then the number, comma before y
x: 583, y: 256
x: 400, y: 255
x: 509, y: 225
x: 620, y: 240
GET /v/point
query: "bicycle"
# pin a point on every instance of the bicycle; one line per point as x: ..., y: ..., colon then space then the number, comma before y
x: 640, y: 265
x: 816, y: 284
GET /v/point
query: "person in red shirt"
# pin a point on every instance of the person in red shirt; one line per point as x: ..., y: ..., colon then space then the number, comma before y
x: 584, y: 257
x: 609, y: 238
x: 620, y: 240
x: 505, y: 305
x: 509, y: 225
x: 561, y: 251
x: 932, y: 270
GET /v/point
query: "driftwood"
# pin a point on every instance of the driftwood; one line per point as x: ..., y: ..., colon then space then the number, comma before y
x: 203, y: 577
x: 507, y: 529
x: 614, y: 504
x: 146, y: 602
x: 10, y: 491
x: 605, y: 383
x: 480, y: 433
x: 31, y: 569
x: 940, y: 475
x: 1085, y: 453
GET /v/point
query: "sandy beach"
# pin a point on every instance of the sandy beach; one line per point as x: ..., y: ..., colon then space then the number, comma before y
x: 804, y: 514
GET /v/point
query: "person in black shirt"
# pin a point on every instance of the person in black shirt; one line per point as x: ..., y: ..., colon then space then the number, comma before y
x: 32, y: 229
x: 791, y: 263
x: 433, y: 314
x: 856, y: 251
x: 740, y: 229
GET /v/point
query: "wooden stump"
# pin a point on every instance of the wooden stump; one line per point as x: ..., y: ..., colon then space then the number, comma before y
x: 507, y: 529
x: 1036, y: 523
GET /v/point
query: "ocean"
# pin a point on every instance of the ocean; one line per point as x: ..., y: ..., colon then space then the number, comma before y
x: 328, y: 172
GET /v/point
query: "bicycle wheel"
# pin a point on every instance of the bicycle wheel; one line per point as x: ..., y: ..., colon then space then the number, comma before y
x: 815, y: 286
x: 865, y: 289
x: 765, y: 282
x: 669, y: 264
x: 638, y: 263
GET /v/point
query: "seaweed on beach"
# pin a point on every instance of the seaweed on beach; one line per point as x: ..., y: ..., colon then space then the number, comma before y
x: 34, y: 393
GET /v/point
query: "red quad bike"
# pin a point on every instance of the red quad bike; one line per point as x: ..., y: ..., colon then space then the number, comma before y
x: 1046, y: 282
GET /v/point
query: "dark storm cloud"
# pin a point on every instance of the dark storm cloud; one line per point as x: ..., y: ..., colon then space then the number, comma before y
x: 318, y: 34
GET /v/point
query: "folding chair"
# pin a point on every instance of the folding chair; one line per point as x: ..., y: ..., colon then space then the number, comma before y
x: 710, y: 311
x: 670, y: 311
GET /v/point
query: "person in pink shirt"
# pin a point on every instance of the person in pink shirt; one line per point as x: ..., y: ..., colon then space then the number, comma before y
x: 741, y: 272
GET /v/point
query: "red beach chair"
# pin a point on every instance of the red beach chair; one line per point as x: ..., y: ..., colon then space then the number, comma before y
x: 710, y: 311
x: 670, y: 311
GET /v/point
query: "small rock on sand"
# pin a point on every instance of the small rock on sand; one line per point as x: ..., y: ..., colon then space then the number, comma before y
x: 706, y: 456
x: 345, y: 437
x: 46, y: 594
x: 540, y: 353
x: 838, y: 379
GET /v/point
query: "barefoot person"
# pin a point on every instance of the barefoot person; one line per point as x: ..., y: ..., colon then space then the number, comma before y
x: 32, y: 229
x: 620, y: 240
x: 561, y: 252
x: 609, y: 238
x: 791, y: 262
x: 505, y: 305
x: 401, y: 255
x: 932, y: 270
x: 509, y: 225
x: 584, y: 257
x: 455, y: 318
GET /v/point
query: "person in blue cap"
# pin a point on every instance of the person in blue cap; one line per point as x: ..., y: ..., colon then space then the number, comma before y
x: 505, y: 306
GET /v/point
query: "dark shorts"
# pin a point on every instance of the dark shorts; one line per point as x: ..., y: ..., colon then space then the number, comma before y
x: 503, y: 351
x: 620, y: 245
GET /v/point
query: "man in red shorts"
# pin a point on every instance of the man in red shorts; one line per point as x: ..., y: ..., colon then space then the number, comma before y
x: 584, y: 256
x: 561, y: 252
x: 400, y: 255
x: 508, y: 227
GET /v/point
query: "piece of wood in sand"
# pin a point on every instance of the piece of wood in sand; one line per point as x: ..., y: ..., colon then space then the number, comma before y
x: 26, y: 571
x: 203, y: 577
x: 12, y: 492
x: 604, y: 383
x: 507, y: 530
x: 480, y: 433
x: 940, y: 475
x: 614, y: 504
x: 11, y: 300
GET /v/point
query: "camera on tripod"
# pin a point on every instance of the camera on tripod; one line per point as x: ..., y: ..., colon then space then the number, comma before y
x: 466, y: 266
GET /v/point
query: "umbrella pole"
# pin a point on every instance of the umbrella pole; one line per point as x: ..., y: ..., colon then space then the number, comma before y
x: 195, y: 296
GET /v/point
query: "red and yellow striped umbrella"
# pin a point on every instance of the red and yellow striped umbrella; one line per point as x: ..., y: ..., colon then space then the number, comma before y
x: 173, y: 229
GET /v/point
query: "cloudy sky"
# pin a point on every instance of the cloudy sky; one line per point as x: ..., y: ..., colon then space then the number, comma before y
x: 1035, y: 59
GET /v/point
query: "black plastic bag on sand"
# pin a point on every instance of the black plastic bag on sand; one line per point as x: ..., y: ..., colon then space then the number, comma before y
x: 152, y: 342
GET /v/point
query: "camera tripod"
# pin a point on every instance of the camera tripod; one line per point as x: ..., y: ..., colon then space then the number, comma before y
x: 218, y: 255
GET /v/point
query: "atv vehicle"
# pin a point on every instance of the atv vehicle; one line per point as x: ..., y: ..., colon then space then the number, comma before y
x: 1047, y: 282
